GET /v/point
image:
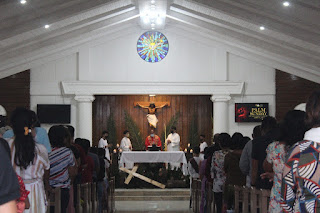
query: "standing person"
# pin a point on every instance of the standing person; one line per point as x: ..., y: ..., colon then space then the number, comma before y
x: 103, y: 143
x: 29, y: 159
x: 203, y: 145
x: 126, y: 146
x: 217, y: 169
x: 292, y: 130
x: 88, y: 168
x: 231, y: 168
x: 9, y: 186
x: 62, y: 163
x: 245, y: 163
x: 153, y: 139
x: 193, y: 168
x: 300, y: 178
x: 270, y: 133
x: 173, y: 142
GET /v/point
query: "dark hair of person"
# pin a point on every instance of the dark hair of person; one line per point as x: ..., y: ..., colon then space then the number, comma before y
x: 268, y: 123
x: 224, y: 140
x: 71, y: 130
x: 203, y: 136
x: 313, y: 110
x: 78, y: 141
x: 58, y: 136
x: 105, y: 132
x: 292, y: 127
x: 75, y: 152
x: 216, y: 138
x: 236, y: 141
x: 125, y: 132
x: 174, y: 128
x: 101, y: 153
x: 35, y: 120
x: 208, y: 151
x: 85, y: 144
x: 256, y: 132
x: 21, y: 120
x: 196, y: 150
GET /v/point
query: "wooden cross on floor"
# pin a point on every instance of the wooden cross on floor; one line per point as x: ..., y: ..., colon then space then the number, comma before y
x: 135, y: 174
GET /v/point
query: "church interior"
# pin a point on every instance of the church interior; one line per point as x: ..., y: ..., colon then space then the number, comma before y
x: 173, y: 94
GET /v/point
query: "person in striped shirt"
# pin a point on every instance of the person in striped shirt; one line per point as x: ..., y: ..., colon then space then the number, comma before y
x: 62, y: 163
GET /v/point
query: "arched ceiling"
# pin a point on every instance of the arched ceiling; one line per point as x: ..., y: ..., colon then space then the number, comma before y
x: 290, y: 40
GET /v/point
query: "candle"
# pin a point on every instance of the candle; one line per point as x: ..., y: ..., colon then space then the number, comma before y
x: 188, y: 145
x: 117, y: 145
x: 120, y: 150
x: 185, y: 150
x: 114, y: 151
x: 191, y: 151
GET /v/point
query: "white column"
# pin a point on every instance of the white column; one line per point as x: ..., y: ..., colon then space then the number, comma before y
x: 220, y: 113
x: 84, y: 117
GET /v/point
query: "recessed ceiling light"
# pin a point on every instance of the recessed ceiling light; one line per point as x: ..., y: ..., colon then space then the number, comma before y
x: 153, y: 1
x: 286, y: 4
x: 46, y: 26
x: 152, y: 28
x: 262, y: 28
x: 23, y: 1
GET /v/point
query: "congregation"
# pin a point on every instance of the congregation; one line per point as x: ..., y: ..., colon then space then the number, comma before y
x: 43, y: 161
x: 282, y: 157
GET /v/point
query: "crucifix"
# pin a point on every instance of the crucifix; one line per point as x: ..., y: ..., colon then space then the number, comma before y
x: 152, y: 107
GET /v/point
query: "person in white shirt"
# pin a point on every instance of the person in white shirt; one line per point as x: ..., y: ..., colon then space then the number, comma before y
x: 126, y: 146
x: 173, y: 144
x: 103, y: 143
x: 203, y: 145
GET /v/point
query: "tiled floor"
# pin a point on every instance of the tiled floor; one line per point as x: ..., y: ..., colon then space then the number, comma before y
x: 152, y: 206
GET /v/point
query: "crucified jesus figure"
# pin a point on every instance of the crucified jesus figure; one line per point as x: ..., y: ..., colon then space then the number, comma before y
x: 152, y: 109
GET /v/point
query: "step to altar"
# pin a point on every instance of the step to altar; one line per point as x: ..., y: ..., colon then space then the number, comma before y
x: 152, y: 194
x: 152, y: 200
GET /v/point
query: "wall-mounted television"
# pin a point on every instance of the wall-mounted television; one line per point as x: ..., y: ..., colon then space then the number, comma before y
x: 54, y: 113
x: 251, y: 112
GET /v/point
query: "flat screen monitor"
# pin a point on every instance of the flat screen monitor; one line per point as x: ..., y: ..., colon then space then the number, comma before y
x: 251, y: 112
x: 54, y: 113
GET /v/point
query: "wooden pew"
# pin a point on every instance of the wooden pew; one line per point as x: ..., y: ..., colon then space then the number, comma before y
x: 94, y: 197
x: 79, y: 208
x: 55, y: 200
x: 209, y: 198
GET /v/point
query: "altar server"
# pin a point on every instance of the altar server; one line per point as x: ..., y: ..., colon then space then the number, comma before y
x: 173, y: 144
x: 126, y: 146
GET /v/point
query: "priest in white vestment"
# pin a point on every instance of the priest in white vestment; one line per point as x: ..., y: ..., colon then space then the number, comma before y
x: 173, y: 144
x: 126, y: 146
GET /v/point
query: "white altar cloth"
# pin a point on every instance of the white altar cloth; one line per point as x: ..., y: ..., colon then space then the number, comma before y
x: 155, y: 157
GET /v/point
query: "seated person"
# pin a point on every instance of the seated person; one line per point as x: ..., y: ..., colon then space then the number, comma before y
x: 153, y: 139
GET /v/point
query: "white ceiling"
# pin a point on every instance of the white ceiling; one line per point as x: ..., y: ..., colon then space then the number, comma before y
x: 290, y: 42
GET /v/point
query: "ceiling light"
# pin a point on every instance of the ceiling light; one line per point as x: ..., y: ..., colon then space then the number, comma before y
x: 153, y: 7
x: 286, y: 4
x: 153, y: 24
x: 23, y: 1
x: 152, y: 95
x: 153, y: 28
x: 153, y: 1
x: 46, y: 26
x: 262, y: 28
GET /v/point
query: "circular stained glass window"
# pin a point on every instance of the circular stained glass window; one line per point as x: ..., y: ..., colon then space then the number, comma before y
x: 152, y: 46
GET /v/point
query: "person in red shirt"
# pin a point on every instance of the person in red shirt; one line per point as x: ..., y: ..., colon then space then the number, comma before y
x: 153, y: 139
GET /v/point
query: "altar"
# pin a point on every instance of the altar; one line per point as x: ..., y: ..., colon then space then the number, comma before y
x: 130, y: 158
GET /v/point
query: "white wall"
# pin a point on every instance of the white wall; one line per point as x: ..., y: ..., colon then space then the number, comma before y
x: 259, y: 88
x: 45, y: 86
x: 114, y: 58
